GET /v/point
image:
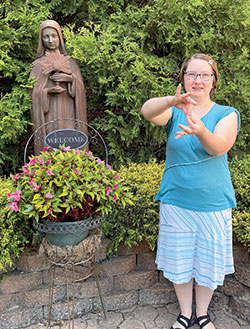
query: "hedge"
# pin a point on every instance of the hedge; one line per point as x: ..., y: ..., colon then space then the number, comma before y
x: 128, y: 51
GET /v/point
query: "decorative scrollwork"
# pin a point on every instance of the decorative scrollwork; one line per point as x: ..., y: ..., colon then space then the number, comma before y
x: 95, y: 138
x: 51, y: 227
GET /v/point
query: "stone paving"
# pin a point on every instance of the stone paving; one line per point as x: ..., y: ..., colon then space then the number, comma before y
x: 144, y: 317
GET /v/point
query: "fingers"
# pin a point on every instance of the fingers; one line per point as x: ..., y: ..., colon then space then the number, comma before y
x: 189, y: 107
x: 185, y: 131
x: 190, y: 100
x: 191, y: 120
x: 179, y: 134
x: 178, y: 90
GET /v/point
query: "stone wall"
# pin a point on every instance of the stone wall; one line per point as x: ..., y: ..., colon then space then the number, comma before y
x: 127, y: 278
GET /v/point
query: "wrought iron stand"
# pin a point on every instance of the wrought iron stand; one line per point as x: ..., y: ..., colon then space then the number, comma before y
x: 69, y: 269
x: 72, y: 273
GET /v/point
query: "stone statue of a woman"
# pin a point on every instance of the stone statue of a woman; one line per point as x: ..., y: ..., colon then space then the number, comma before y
x: 59, y: 92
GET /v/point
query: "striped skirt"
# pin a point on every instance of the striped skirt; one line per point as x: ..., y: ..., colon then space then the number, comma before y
x: 194, y: 244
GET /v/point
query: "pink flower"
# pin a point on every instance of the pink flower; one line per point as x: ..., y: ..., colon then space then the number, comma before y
x: 99, y: 161
x: 116, y: 177
x: 114, y: 198
x: 33, y: 172
x: 77, y: 152
x: 48, y: 162
x: 15, y: 196
x: 46, y: 148
x: 32, y: 182
x: 13, y: 206
x: 32, y: 161
x: 17, y: 176
x: 48, y: 196
x: 26, y: 171
x: 68, y: 148
x: 89, y: 153
x: 108, y: 190
x: 26, y: 165
x: 115, y: 186
x: 109, y: 166
x: 40, y: 161
x: 36, y: 188
x: 76, y: 172
x: 50, y: 210
x: 50, y: 173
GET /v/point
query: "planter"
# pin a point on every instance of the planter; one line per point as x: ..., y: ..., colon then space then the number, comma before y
x: 67, y: 233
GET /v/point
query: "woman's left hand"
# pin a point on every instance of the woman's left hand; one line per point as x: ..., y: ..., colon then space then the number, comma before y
x: 195, y: 126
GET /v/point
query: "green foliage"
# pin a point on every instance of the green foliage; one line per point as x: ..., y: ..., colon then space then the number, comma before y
x: 132, y: 51
x: 241, y: 227
x: 18, y: 41
x: 15, y: 231
x: 128, y: 51
x: 66, y: 185
x: 240, y: 172
x: 139, y: 221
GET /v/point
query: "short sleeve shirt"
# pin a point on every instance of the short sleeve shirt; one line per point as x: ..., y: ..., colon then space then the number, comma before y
x: 193, y: 178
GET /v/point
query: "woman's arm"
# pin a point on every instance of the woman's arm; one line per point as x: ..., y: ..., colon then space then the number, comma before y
x: 159, y: 109
x: 218, y: 142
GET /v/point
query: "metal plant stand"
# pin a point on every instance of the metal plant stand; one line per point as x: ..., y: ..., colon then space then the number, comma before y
x: 67, y: 266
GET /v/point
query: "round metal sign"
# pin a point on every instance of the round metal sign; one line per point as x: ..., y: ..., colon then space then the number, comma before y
x: 76, y: 139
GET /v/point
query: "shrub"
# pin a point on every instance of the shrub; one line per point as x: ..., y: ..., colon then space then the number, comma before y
x: 18, y: 41
x: 240, y: 172
x: 135, y: 53
x: 15, y: 230
x: 128, y: 51
x: 139, y: 221
x: 241, y: 227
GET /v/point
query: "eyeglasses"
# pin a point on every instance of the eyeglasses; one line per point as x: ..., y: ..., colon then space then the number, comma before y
x: 205, y: 76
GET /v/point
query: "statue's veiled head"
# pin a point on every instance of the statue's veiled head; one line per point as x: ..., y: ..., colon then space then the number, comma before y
x: 49, y: 30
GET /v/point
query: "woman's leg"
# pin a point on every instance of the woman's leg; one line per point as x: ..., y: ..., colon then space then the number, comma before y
x: 184, y: 293
x: 203, y: 296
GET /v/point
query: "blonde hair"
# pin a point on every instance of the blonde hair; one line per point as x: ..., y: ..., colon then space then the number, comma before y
x: 210, y: 61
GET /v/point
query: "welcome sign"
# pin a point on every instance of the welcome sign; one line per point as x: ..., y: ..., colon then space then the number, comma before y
x: 76, y: 139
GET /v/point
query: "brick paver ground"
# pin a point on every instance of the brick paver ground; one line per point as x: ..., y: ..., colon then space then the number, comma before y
x: 144, y: 317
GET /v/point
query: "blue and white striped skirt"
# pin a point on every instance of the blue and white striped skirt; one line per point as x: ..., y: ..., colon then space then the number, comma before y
x: 194, y: 244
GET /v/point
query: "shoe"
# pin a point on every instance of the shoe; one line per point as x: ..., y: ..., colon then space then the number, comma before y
x: 186, y: 324
x: 203, y: 317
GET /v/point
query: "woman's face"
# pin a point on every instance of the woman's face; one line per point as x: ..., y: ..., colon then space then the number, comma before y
x: 198, y: 86
x: 50, y: 38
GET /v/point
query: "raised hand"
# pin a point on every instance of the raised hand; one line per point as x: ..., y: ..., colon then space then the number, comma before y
x: 195, y: 126
x: 183, y: 101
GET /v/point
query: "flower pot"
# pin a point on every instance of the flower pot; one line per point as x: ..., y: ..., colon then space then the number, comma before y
x: 67, y: 233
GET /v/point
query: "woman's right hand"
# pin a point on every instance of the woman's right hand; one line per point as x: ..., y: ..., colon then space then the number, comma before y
x: 183, y: 101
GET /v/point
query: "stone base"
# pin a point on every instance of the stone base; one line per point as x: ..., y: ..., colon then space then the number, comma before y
x: 73, y: 254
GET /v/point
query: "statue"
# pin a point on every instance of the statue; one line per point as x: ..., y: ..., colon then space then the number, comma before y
x: 59, y: 92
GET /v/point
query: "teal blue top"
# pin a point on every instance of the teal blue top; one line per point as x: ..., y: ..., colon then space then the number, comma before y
x: 192, y: 178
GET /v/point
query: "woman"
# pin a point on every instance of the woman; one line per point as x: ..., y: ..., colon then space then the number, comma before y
x: 196, y: 193
x: 59, y: 92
